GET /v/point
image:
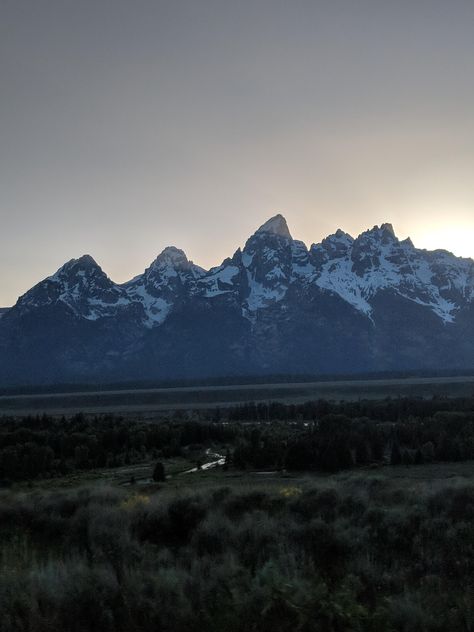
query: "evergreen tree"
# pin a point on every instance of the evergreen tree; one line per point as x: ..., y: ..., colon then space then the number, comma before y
x: 396, y: 455
x: 159, y: 473
x: 418, y: 457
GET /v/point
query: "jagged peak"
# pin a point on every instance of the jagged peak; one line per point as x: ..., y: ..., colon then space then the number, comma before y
x: 338, y: 241
x: 86, y: 260
x: 388, y: 228
x: 384, y: 231
x: 276, y: 225
x: 339, y: 236
x: 408, y: 242
x: 172, y: 258
x: 173, y: 255
x: 85, y: 263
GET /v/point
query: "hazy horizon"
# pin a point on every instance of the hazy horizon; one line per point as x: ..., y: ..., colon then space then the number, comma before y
x: 128, y: 127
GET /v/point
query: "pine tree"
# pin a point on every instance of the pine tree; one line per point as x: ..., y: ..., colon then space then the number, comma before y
x: 159, y: 473
x: 396, y: 455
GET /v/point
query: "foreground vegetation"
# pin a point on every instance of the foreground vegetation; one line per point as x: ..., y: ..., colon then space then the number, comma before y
x: 340, y: 553
x: 325, y: 517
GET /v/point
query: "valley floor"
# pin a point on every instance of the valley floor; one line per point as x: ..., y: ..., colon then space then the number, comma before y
x: 148, y: 402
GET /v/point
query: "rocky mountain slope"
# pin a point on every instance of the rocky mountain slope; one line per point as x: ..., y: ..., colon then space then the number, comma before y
x: 346, y: 305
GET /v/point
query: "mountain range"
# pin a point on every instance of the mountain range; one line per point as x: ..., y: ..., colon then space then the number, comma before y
x: 345, y: 305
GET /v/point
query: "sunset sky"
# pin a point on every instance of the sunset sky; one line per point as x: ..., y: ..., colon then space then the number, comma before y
x: 130, y: 125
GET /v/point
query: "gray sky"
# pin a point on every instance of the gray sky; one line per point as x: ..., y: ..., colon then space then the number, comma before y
x: 127, y: 126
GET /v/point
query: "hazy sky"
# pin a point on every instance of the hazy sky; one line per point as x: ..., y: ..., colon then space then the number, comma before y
x: 127, y: 126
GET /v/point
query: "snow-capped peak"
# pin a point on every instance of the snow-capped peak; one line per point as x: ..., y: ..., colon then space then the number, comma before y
x: 271, y: 268
x: 340, y: 235
x: 377, y: 261
x: 172, y: 261
x: 79, y: 285
x: 338, y: 240
x: 84, y: 264
x: 275, y: 226
x: 172, y: 255
x: 383, y: 233
x: 167, y: 282
x: 87, y: 260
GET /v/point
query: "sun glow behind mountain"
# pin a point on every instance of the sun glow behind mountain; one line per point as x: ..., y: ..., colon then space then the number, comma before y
x: 130, y: 126
x: 457, y: 238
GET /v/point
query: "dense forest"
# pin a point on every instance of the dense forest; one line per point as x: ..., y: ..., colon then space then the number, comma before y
x: 315, y: 436
x: 348, y: 554
x: 36, y: 447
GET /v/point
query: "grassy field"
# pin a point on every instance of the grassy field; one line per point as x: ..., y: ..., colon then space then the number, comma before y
x: 427, y: 476
x: 147, y: 403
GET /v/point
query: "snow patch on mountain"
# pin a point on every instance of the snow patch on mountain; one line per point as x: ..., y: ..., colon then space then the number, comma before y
x: 377, y: 261
x: 337, y: 277
x: 220, y: 280
x: 301, y: 268
x: 156, y: 309
x: 260, y: 296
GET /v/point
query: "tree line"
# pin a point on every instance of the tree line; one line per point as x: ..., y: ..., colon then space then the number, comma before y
x: 44, y: 446
x: 315, y: 436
